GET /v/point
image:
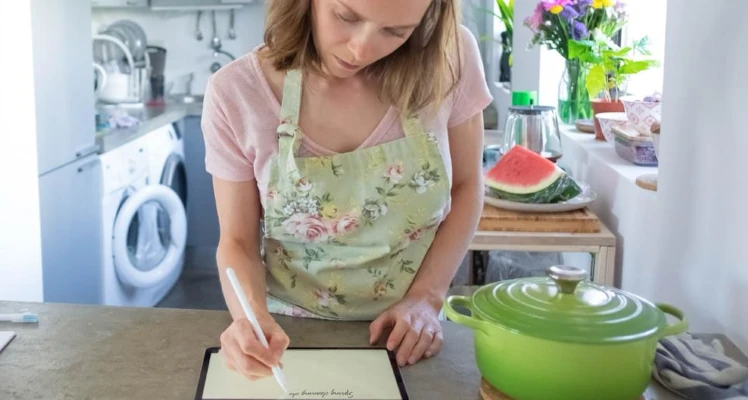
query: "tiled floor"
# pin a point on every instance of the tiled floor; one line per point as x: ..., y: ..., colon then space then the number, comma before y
x: 197, y: 288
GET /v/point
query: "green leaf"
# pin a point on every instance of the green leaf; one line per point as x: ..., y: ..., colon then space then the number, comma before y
x: 409, y: 270
x: 633, y: 67
x: 641, y: 46
x: 380, y: 191
x: 596, y: 81
x: 616, y: 53
x: 580, y: 49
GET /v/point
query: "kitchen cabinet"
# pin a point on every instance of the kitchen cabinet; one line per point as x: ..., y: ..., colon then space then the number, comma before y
x: 63, y: 83
x: 119, y: 3
x: 70, y: 210
x: 202, y: 219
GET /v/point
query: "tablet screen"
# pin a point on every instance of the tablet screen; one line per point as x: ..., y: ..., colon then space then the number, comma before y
x: 311, y: 373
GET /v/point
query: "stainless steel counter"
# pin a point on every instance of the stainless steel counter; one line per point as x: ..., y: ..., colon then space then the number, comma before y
x: 150, y: 118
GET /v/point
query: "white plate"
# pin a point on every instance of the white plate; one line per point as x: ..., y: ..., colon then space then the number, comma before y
x: 580, y: 201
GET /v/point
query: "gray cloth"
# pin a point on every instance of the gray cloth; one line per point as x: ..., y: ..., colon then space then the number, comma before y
x: 698, y: 370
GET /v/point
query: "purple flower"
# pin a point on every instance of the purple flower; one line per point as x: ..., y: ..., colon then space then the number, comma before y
x: 582, y: 6
x: 568, y: 13
x: 620, y: 9
x: 579, y: 31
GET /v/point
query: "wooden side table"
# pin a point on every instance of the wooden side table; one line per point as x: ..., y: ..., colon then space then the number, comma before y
x: 577, y: 231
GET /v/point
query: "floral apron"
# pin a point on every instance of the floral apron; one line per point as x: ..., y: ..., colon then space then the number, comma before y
x: 345, y: 235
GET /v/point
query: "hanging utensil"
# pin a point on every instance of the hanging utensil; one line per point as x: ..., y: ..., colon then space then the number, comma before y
x: 232, y: 31
x: 216, y: 41
x: 198, y: 32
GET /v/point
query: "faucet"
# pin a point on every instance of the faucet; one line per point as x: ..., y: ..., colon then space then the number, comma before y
x: 215, y: 66
x: 218, y: 51
x: 215, y: 44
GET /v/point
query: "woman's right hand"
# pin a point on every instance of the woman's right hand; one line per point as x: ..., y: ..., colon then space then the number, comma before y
x: 243, y: 353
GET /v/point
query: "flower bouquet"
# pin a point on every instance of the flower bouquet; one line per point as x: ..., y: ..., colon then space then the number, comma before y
x: 566, y: 27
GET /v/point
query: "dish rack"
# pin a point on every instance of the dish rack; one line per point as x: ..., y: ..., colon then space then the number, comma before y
x: 134, y: 91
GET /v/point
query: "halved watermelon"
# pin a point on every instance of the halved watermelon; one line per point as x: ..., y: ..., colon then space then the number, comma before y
x: 524, y: 176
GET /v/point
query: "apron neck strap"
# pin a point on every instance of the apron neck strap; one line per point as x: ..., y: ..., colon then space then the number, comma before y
x: 412, y: 126
x: 291, y: 102
x: 289, y: 134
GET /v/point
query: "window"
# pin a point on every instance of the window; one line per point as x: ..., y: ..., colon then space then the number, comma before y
x: 646, y: 18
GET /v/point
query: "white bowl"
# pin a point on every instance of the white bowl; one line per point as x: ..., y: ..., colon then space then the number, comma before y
x: 642, y: 114
x: 610, y: 119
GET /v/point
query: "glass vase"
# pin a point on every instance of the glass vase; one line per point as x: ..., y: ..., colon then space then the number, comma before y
x: 573, y: 100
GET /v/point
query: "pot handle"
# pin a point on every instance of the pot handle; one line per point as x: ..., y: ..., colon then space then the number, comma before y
x: 461, y: 319
x: 676, y: 328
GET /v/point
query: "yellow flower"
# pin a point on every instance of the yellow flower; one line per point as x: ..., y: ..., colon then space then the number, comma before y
x: 329, y: 210
x: 603, y: 3
x: 557, y: 9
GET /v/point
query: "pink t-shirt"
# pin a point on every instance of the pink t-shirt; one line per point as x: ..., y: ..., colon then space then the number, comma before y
x: 241, y: 114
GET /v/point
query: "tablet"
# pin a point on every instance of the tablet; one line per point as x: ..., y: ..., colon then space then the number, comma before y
x: 311, y: 373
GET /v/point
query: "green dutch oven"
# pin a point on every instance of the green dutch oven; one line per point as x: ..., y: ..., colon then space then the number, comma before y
x: 562, y: 337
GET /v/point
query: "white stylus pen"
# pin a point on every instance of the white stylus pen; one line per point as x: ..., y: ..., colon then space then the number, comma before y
x: 255, y: 324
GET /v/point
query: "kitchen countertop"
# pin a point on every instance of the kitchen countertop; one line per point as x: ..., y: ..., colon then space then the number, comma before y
x: 150, y: 117
x: 83, y: 351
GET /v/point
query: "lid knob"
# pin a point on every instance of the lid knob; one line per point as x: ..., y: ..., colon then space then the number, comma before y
x: 566, y: 277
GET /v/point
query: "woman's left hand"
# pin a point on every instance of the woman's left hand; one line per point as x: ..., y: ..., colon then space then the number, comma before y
x: 416, y: 330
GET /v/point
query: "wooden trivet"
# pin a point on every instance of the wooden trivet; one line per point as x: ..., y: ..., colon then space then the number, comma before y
x: 497, y: 219
x: 488, y: 392
x: 647, y: 181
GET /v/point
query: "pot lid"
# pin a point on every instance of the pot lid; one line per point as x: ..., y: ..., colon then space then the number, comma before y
x: 566, y: 307
x: 532, y: 109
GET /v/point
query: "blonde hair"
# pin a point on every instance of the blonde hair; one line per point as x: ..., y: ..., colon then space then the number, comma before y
x: 419, y: 74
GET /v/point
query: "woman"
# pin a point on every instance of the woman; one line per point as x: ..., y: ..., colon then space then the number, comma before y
x: 353, y: 136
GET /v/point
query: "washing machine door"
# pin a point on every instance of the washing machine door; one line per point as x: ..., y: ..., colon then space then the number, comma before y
x: 149, y: 236
x: 174, y: 176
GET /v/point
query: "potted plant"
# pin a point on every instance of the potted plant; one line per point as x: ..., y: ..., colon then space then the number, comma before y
x: 610, y: 67
x: 506, y: 16
x: 559, y: 23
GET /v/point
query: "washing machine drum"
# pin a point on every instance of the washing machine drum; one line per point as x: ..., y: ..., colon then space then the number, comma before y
x: 149, y: 236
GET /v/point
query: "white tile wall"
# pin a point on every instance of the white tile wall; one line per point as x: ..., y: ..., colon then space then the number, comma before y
x: 176, y: 32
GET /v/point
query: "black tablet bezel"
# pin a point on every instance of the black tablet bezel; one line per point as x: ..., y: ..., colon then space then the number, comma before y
x: 390, y: 354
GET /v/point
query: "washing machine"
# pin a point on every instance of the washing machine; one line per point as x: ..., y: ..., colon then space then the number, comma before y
x: 144, y: 229
x: 166, y: 159
x: 166, y: 167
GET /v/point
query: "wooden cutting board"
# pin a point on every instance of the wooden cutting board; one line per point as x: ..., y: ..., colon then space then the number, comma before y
x: 579, y: 221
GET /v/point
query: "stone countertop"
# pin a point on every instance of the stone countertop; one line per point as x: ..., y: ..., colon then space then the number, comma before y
x: 150, y: 117
x: 83, y: 351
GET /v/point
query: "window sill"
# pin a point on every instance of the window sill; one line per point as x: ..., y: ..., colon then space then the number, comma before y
x: 577, y: 143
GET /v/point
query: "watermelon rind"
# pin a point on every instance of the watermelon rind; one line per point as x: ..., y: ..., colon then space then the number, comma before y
x: 563, y: 189
x: 525, y: 189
